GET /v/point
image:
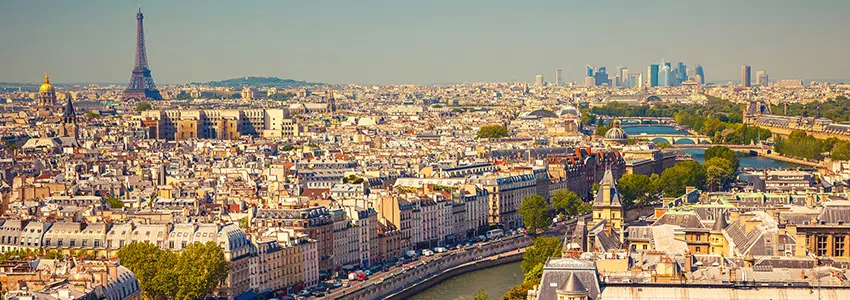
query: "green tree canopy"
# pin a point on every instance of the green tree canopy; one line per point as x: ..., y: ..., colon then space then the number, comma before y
x: 153, y: 267
x: 542, y: 249
x: 568, y: 202
x: 718, y: 172
x: 190, y: 274
x: 800, y: 144
x: 674, y: 180
x: 353, y: 179
x: 535, y: 213
x: 201, y: 268
x: 492, y: 132
x: 722, y: 152
x: 481, y: 295
x: 636, y: 189
x: 143, y: 106
x: 114, y: 203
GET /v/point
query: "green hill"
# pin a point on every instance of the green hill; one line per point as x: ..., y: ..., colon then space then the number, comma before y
x: 258, y: 82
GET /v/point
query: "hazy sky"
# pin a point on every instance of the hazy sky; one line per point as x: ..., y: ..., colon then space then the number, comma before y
x: 420, y: 42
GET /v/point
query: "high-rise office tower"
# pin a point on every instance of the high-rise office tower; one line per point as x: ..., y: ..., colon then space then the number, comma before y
x: 683, y: 72
x: 745, y: 76
x: 602, y: 76
x: 664, y: 76
x: 558, y: 77
x: 589, y: 81
x: 588, y: 70
x: 538, y: 80
x: 701, y: 73
x: 761, y: 78
x: 652, y: 75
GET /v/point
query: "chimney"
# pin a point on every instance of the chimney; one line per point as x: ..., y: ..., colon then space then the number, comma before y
x: 112, y: 269
x: 427, y: 188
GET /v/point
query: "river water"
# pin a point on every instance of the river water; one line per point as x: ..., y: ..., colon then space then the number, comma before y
x: 699, y: 154
x: 498, y: 280
x: 495, y: 281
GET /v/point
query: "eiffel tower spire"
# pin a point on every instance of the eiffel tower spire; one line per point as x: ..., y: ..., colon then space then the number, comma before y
x: 141, y: 85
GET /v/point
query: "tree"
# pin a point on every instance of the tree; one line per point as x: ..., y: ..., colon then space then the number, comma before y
x: 201, y: 267
x: 566, y: 201
x: 92, y: 115
x: 519, y: 292
x: 718, y: 173
x: 143, y: 106
x: 535, y: 213
x: 534, y: 275
x: 492, y: 132
x: 288, y: 147
x: 635, y: 188
x: 114, y: 203
x: 481, y: 295
x: 674, y: 180
x: 353, y: 179
x: 723, y: 152
x: 542, y: 249
x: 840, y: 151
x: 152, y: 266
x: 192, y: 274
x: 243, y: 223
x: 601, y: 130
x: 183, y: 95
x: 594, y: 188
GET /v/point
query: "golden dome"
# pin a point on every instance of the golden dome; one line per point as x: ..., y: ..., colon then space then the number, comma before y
x: 45, y: 87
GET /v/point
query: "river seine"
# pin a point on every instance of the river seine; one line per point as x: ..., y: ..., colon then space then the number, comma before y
x: 495, y: 281
x: 498, y: 280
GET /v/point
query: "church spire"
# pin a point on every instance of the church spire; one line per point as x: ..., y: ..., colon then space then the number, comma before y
x: 69, y: 116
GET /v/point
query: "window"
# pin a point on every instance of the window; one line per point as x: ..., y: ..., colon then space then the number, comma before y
x: 820, y: 246
x: 839, y: 246
x: 697, y: 250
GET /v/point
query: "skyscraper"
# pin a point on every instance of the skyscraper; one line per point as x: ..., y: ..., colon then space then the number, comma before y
x: 683, y: 72
x: 538, y: 80
x: 652, y: 75
x: 558, y: 77
x: 588, y: 70
x: 602, y: 76
x: 761, y: 78
x: 701, y: 73
x: 745, y: 76
x: 664, y: 76
x: 141, y: 85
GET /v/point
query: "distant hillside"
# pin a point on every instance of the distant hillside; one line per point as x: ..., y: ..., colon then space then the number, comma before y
x: 258, y: 82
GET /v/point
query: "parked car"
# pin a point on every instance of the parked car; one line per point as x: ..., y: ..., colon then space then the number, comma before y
x: 411, y: 253
x: 427, y: 252
x: 440, y: 249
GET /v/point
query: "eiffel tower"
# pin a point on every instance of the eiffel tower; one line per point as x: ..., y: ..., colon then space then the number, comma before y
x: 141, y: 85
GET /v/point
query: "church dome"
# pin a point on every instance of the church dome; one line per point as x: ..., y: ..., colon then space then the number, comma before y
x: 46, y: 86
x: 616, y: 133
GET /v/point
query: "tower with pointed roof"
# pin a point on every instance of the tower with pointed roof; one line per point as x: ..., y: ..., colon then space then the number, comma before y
x: 718, y: 243
x: 607, y: 206
x: 572, y: 289
x: 68, y: 126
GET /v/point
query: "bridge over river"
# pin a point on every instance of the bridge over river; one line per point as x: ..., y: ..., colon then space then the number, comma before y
x: 673, y: 138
